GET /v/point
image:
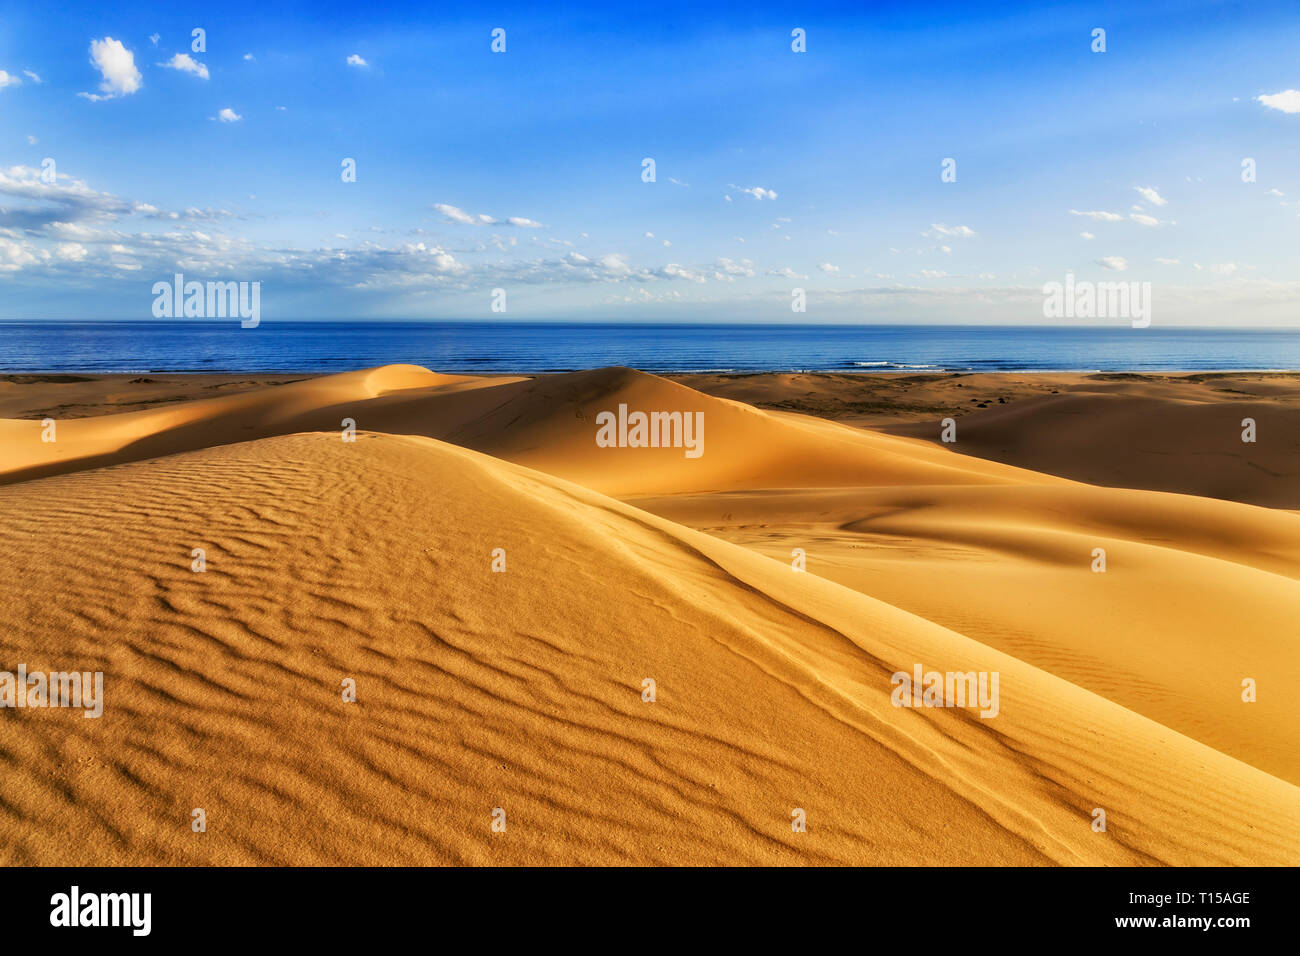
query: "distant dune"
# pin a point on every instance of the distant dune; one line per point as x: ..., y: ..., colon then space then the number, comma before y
x: 1179, y: 433
x: 1156, y: 442
x: 371, y: 561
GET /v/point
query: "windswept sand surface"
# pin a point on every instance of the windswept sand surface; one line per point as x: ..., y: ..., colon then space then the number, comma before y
x: 371, y: 561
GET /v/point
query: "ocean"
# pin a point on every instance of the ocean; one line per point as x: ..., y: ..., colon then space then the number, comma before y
x: 483, y: 347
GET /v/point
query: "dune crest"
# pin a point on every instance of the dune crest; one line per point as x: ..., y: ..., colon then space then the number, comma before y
x: 547, y: 423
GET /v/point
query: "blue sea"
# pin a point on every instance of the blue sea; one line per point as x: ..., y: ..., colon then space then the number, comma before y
x: 481, y: 347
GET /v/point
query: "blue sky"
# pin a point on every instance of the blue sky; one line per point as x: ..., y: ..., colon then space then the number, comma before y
x: 775, y: 170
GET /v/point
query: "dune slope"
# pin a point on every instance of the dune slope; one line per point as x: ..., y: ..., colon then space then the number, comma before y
x: 1126, y: 439
x: 522, y: 690
x: 1197, y: 595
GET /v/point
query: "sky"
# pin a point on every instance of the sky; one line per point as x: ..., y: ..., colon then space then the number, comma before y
x: 130, y: 151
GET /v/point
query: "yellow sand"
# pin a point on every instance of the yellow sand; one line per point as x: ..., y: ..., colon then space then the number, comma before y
x: 371, y: 561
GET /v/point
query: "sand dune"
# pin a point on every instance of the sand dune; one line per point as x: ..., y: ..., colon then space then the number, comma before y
x: 1128, y: 440
x: 550, y: 424
x: 1197, y: 594
x: 547, y: 423
x: 309, y: 405
x: 371, y: 560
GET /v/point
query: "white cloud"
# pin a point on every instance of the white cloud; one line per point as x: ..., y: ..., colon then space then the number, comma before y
x: 8, y: 79
x: 61, y: 208
x: 15, y: 255
x: 186, y: 64
x: 614, y: 263
x: 457, y: 215
x: 728, y: 269
x: 33, y: 77
x: 1276, y: 192
x: 1087, y: 235
x: 1151, y: 196
x: 355, y: 60
x: 32, y: 140
x: 249, y: 56
x: 154, y: 38
x: 955, y: 232
x: 227, y: 115
x: 116, y: 64
x: 1288, y: 101
x: 758, y: 192
x: 1143, y: 219
x: 64, y: 230
x: 1099, y: 215
x: 1166, y: 262
x: 1114, y: 263
x: 828, y: 268
x: 675, y: 271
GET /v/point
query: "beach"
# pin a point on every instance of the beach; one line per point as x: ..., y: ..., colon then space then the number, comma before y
x: 396, y: 616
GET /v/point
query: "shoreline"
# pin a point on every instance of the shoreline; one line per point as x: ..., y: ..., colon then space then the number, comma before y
x: 9, y: 374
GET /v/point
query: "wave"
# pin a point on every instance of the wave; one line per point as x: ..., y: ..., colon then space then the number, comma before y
x: 895, y: 365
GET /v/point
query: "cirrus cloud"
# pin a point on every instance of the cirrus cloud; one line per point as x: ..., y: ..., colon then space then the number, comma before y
x: 459, y: 216
x: 1100, y: 215
x: 938, y: 229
